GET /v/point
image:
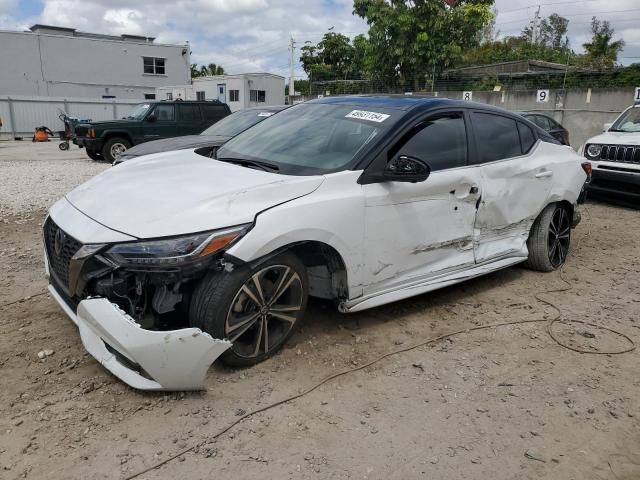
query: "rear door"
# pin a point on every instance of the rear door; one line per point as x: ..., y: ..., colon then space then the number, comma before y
x: 189, y: 119
x: 163, y: 124
x: 515, y: 185
x: 212, y: 112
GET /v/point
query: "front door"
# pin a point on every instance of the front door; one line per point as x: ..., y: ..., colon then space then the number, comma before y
x: 162, y: 124
x: 414, y: 231
x: 516, y: 181
x: 222, y: 92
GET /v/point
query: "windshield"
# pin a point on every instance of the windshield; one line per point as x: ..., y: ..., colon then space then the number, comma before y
x: 629, y: 121
x: 311, y: 138
x: 139, y: 111
x: 237, y: 122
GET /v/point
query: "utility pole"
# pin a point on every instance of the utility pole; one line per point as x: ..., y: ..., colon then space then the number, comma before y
x: 536, y: 26
x: 292, y: 89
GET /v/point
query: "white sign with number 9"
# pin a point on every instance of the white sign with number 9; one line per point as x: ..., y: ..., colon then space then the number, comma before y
x: 467, y: 96
x: 543, y: 96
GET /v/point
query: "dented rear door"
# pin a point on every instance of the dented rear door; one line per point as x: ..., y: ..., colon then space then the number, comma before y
x: 516, y: 181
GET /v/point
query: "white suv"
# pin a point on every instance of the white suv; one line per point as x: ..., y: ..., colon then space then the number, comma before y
x: 615, y: 155
x: 173, y: 259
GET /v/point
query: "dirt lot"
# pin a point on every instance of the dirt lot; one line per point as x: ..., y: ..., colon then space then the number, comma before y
x: 499, y: 403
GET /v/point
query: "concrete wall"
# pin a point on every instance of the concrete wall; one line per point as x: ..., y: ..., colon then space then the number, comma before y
x: 582, y: 111
x: 21, y: 115
x: 36, y: 64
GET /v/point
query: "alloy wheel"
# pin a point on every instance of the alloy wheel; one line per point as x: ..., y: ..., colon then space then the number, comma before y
x: 264, y: 311
x: 559, y: 237
x: 117, y: 149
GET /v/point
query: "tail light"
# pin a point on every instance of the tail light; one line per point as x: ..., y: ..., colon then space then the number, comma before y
x: 588, y: 169
x: 92, y: 132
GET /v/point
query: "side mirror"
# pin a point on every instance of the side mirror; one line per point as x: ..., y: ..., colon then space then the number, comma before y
x: 406, y: 169
x: 606, y: 127
x: 152, y: 117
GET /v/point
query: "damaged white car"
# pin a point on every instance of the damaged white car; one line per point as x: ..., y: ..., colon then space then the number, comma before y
x: 175, y: 259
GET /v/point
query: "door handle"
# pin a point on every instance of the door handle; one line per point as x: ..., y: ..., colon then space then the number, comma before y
x: 544, y: 174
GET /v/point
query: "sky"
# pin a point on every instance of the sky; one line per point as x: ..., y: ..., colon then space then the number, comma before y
x: 253, y: 35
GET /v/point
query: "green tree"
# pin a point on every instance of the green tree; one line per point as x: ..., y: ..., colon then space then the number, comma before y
x: 552, y: 32
x: 195, y: 72
x: 332, y: 58
x: 410, y: 39
x: 602, y: 51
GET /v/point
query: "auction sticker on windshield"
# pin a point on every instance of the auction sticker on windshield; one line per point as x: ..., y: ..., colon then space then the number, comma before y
x: 370, y: 116
x: 265, y: 114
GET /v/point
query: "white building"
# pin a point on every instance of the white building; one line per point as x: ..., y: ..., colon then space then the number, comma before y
x: 238, y: 91
x: 59, y: 62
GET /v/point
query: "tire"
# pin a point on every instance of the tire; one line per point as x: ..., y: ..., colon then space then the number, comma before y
x: 63, y: 146
x: 550, y: 239
x: 228, y: 305
x: 94, y: 155
x: 114, y: 147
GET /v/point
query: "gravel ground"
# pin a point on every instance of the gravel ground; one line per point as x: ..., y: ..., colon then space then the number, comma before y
x: 501, y: 403
x: 35, y: 175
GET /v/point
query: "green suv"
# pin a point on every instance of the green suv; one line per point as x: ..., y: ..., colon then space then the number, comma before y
x: 107, y: 140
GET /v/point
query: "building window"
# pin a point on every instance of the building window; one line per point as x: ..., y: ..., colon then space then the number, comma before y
x: 234, y: 95
x: 169, y: 96
x: 200, y: 96
x: 257, y: 96
x: 149, y: 96
x: 153, y: 65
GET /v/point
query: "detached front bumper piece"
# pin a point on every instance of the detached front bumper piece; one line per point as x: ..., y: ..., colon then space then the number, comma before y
x: 143, y: 359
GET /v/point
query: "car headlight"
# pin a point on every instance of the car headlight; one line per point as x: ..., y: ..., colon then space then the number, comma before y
x: 176, y: 251
x: 594, y: 151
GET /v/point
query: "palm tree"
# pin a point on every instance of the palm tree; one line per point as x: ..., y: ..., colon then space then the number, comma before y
x: 602, y: 52
x: 215, y: 69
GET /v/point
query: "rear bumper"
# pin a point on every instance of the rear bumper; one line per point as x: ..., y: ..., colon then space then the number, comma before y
x: 143, y: 359
x: 94, y: 144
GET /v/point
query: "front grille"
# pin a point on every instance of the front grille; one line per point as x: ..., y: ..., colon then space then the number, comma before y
x: 59, y: 251
x: 621, y: 153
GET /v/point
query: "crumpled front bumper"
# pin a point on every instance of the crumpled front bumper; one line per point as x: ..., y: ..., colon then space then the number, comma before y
x: 143, y: 359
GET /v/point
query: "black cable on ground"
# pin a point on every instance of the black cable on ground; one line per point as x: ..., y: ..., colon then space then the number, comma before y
x: 24, y: 299
x: 333, y: 376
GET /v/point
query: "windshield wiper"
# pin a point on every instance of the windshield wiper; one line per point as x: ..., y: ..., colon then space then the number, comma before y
x: 618, y: 130
x: 251, y: 164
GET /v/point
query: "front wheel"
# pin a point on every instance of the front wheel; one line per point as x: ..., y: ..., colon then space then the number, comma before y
x: 63, y: 146
x: 549, y: 239
x: 255, y: 308
x: 114, y: 147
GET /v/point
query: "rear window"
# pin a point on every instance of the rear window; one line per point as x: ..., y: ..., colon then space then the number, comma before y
x: 497, y: 137
x: 527, y: 138
x: 213, y: 112
x: 188, y: 112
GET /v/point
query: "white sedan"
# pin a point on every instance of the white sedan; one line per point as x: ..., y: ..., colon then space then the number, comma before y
x: 175, y: 259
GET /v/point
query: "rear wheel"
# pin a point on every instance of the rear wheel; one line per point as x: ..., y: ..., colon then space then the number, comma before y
x: 256, y: 308
x: 114, y: 147
x: 549, y: 239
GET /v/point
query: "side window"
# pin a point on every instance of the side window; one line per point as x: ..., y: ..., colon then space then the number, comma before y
x: 213, y: 112
x: 527, y: 139
x: 188, y: 112
x: 542, y: 122
x: 497, y: 137
x: 441, y: 142
x: 164, y: 113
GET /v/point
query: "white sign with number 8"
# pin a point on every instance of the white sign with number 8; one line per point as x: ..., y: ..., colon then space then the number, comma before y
x: 637, y: 97
x: 467, y: 96
x: 543, y: 96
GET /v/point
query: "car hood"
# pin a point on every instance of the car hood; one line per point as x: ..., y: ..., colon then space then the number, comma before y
x: 182, y: 192
x: 175, y: 143
x: 617, y: 138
